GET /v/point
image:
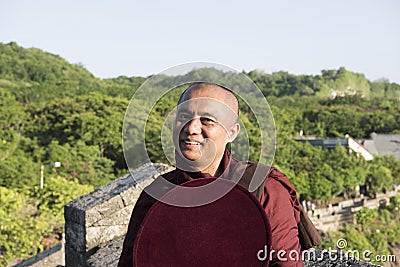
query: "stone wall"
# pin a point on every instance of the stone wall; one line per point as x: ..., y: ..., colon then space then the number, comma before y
x: 97, y: 218
x: 52, y: 257
x: 335, y: 218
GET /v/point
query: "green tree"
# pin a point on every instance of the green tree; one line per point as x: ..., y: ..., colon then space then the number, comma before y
x: 21, y: 227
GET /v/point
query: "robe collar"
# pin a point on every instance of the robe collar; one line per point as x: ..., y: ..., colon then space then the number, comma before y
x: 227, y: 164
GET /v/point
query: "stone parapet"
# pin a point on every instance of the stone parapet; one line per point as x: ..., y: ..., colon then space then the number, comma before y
x: 51, y: 257
x: 103, y: 215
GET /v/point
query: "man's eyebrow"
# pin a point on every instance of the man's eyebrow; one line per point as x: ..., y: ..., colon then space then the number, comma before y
x: 206, y: 114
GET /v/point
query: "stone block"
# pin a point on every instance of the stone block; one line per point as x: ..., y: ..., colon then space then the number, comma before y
x: 75, y: 237
x: 121, y: 217
x: 130, y: 196
x: 102, y: 234
x: 103, y: 210
x: 101, y: 215
x: 108, y: 254
x: 73, y: 214
x: 74, y: 259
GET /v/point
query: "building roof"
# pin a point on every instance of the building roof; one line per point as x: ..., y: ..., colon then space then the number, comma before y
x: 349, y: 142
x: 387, y: 144
x: 370, y: 146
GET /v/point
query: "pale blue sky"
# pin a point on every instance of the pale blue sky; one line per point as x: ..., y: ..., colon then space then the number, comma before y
x: 121, y: 37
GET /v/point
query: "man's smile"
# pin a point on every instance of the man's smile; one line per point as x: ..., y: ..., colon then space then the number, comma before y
x: 191, y: 143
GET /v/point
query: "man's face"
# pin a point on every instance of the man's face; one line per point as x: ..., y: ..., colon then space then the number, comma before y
x: 203, y: 127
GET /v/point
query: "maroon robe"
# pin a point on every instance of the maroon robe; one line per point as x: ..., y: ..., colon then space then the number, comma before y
x: 279, y: 201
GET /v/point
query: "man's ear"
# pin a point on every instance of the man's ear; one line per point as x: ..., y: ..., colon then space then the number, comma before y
x: 233, y: 132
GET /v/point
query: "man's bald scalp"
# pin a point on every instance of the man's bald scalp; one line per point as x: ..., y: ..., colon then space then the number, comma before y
x: 229, y: 97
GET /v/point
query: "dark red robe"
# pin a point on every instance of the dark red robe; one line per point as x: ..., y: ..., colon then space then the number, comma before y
x: 278, y: 199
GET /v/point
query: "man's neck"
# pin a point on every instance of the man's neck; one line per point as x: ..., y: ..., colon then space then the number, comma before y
x: 215, y: 169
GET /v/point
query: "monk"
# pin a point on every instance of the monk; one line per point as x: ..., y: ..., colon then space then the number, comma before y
x: 206, y: 121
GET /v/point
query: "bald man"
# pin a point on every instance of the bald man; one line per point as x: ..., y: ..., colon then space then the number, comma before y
x: 206, y: 121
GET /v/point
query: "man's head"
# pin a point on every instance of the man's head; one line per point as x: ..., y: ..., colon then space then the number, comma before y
x: 206, y: 121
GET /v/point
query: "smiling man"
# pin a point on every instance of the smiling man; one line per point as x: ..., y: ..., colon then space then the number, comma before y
x: 206, y: 121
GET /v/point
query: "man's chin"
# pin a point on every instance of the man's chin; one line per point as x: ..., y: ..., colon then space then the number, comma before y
x: 190, y: 162
x: 191, y: 157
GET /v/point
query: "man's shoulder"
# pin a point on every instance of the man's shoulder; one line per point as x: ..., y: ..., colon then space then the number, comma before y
x: 271, y: 175
x: 267, y: 171
x: 170, y: 177
x: 160, y: 185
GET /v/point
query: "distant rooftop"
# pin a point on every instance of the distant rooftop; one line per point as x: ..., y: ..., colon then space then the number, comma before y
x: 384, y: 144
x: 324, y: 143
x: 348, y: 142
x: 379, y: 144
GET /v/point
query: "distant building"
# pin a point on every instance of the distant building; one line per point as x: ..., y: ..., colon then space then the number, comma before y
x: 347, y: 142
x: 383, y: 144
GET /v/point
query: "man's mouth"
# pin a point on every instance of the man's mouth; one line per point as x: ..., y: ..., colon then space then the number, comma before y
x: 192, y: 143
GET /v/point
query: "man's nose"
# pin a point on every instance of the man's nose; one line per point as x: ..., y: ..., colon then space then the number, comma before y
x: 193, y: 126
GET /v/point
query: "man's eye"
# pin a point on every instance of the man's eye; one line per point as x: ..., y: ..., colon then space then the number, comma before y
x: 207, y: 121
x: 183, y: 117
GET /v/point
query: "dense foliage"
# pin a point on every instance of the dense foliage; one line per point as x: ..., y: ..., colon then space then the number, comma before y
x: 53, y: 111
